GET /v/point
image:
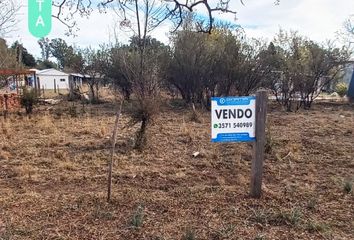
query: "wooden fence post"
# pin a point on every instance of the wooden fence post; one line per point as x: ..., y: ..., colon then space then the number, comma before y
x: 258, y: 147
x: 113, y: 140
x: 6, y: 98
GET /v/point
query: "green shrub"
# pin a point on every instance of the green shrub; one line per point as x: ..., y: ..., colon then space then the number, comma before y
x: 28, y: 99
x: 142, y: 111
x: 314, y: 226
x: 348, y: 187
x: 341, y: 89
x: 260, y: 216
x: 260, y: 237
x: 189, y: 235
x: 138, y: 217
x: 311, y: 205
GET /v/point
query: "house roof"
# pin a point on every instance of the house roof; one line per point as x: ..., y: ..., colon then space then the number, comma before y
x: 51, y: 72
x: 35, y: 70
x: 80, y: 75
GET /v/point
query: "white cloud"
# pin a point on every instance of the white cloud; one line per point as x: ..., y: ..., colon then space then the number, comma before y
x: 318, y: 19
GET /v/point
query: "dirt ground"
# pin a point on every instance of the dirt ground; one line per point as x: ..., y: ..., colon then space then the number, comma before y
x: 53, y: 170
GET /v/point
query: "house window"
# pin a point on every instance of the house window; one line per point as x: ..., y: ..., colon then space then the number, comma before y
x: 62, y: 80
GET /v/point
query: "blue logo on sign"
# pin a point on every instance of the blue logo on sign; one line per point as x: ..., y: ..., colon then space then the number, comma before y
x: 233, y: 100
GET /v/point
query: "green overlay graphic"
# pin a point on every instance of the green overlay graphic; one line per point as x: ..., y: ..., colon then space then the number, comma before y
x: 39, y: 17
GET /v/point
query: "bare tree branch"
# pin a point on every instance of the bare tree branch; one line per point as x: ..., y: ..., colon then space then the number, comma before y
x: 167, y: 10
x: 8, y: 20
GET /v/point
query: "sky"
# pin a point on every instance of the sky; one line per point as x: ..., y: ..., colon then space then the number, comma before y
x: 317, y: 19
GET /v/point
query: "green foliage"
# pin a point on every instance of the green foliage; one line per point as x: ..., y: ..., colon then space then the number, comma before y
x: 142, y: 112
x: 260, y: 237
x: 95, y: 65
x: 314, y: 226
x: 341, y: 89
x: 46, y: 64
x: 68, y: 57
x: 178, y: 104
x: 189, y: 234
x: 44, y: 44
x: 348, y: 187
x: 28, y: 99
x: 22, y: 53
x: 116, y: 71
x: 102, y: 214
x: 138, y: 217
x: 307, y: 69
x: 288, y: 218
x: 260, y: 216
x: 61, y: 51
x: 311, y: 205
x: 225, y: 232
x: 7, y: 53
x: 276, y: 218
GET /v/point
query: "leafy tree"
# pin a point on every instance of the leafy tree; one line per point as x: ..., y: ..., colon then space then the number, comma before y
x: 46, y: 64
x: 61, y: 51
x: 141, y: 64
x: 28, y: 99
x: 69, y: 58
x: 251, y: 71
x: 76, y: 62
x: 219, y: 64
x: 7, y: 60
x: 189, y: 65
x: 116, y: 70
x: 307, y: 69
x: 44, y: 44
x: 323, y: 66
x: 273, y: 61
x: 95, y: 65
x: 23, y: 55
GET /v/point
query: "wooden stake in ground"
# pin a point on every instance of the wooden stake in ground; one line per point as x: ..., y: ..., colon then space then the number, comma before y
x: 258, y: 147
x: 113, y: 140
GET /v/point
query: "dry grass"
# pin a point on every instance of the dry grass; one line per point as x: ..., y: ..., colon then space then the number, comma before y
x: 53, y: 178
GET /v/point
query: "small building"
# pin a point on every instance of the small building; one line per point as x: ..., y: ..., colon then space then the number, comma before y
x: 53, y: 79
x: 77, y: 79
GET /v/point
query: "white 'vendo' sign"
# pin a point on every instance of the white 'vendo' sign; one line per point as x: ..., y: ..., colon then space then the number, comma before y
x: 233, y: 119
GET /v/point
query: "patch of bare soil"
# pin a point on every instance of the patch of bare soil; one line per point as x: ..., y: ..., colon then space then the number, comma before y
x: 53, y: 177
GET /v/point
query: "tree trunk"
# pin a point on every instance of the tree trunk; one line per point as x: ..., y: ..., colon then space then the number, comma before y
x: 140, y: 136
x: 92, y: 90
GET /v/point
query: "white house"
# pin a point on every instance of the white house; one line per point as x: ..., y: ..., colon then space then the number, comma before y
x: 53, y: 79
